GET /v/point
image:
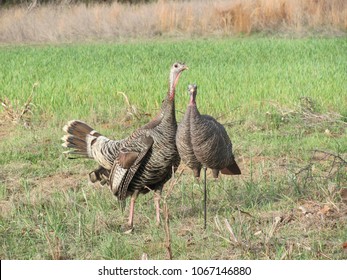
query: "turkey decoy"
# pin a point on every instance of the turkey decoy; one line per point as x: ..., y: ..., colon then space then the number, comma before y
x: 203, y: 142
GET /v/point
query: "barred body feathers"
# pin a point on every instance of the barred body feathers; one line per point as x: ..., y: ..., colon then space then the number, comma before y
x: 184, y: 144
x: 139, y: 163
x: 202, y: 141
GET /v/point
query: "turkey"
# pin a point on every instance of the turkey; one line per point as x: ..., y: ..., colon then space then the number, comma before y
x: 203, y: 142
x: 184, y: 144
x: 139, y: 163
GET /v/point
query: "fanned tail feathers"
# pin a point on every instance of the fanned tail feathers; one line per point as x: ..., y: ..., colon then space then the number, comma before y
x: 79, y: 138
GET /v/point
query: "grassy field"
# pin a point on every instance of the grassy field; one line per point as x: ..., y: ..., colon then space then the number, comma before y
x: 284, y: 104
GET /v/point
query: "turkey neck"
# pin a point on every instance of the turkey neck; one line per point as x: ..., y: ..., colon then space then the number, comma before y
x: 168, y: 107
x: 192, y: 106
x: 166, y: 116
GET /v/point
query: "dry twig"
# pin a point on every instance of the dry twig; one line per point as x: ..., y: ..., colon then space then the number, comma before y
x: 131, y: 110
x: 16, y: 113
x: 166, y: 213
x: 232, y: 235
x: 273, y: 228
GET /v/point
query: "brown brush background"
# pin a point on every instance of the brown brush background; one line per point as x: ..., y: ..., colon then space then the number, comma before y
x: 108, y: 21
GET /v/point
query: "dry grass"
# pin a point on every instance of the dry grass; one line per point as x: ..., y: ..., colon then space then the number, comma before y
x: 16, y: 113
x: 56, y: 23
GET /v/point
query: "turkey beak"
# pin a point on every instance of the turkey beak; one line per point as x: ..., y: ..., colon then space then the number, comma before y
x: 185, y: 68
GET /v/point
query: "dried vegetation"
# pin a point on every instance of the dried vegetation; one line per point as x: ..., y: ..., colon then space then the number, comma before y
x: 76, y: 22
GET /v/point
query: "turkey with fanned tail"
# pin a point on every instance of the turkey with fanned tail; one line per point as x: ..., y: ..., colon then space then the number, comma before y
x: 139, y: 163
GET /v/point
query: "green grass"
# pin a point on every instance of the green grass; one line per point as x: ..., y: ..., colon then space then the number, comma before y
x: 253, y: 85
x: 79, y: 80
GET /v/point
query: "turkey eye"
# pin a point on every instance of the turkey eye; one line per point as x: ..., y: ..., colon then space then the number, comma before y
x: 175, y: 65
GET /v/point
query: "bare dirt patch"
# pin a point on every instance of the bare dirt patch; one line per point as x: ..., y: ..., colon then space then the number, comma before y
x: 6, y: 128
x: 55, y: 183
x: 39, y: 189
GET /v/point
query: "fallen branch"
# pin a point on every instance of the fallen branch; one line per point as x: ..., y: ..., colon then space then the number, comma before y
x: 329, y: 154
